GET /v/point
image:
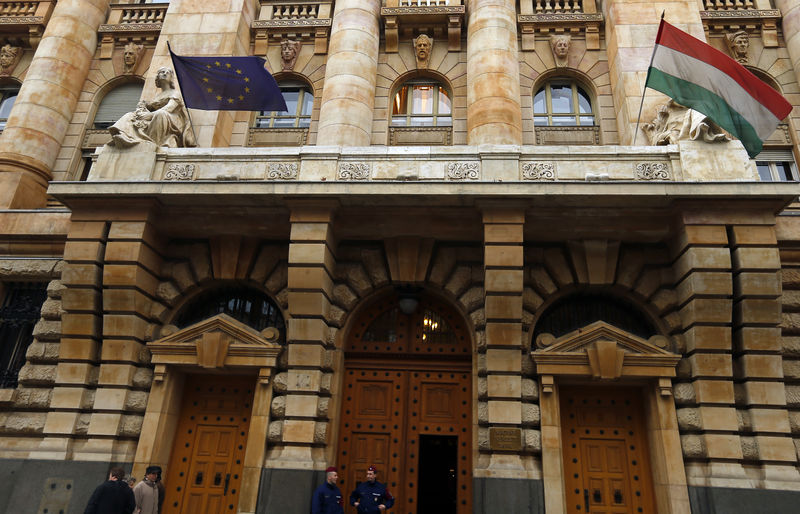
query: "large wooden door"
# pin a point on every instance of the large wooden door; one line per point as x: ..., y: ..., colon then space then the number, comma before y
x: 205, y: 470
x: 606, y: 463
x: 407, y: 408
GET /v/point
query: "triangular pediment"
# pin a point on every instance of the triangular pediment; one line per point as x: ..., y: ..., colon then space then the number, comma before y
x: 578, y: 341
x: 224, y: 324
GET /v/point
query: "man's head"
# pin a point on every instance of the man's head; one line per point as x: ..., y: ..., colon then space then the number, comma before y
x: 8, y: 54
x: 739, y: 44
x: 152, y: 472
x: 560, y: 45
x: 372, y: 472
x: 116, y: 474
x: 332, y: 475
x: 422, y: 45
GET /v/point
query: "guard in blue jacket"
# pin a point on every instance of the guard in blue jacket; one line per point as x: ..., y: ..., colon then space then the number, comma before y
x: 371, y: 497
x: 327, y: 497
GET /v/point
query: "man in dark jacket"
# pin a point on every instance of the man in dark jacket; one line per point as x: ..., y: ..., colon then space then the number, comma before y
x: 327, y: 498
x: 113, y: 496
x: 371, y: 497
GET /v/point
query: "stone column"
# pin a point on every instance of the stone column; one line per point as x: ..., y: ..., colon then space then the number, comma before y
x: 348, y: 97
x: 631, y: 27
x: 790, y: 11
x: 493, y: 102
x: 43, y: 110
x: 758, y: 363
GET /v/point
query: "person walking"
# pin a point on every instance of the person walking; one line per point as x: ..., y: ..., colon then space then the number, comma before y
x: 114, y: 496
x: 371, y: 497
x: 327, y: 498
x: 146, y: 492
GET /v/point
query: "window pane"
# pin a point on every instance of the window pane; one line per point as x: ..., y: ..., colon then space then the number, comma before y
x: 398, y: 121
x: 422, y: 100
x: 291, y: 96
x: 284, y: 122
x: 584, y: 104
x: 400, y: 104
x: 444, y: 121
x: 422, y: 121
x: 304, y: 122
x: 564, y: 121
x: 7, y: 104
x: 763, y: 171
x: 540, y: 120
x: 262, y: 122
x: 784, y: 170
x: 308, y: 103
x: 444, y: 101
x: 539, y: 106
x: 587, y: 121
x: 561, y: 97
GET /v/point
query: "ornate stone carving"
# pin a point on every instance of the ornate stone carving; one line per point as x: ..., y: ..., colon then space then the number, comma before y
x: 130, y: 57
x: 652, y: 171
x: 463, y: 171
x: 289, y: 51
x: 9, y: 57
x: 560, y: 44
x: 354, y: 171
x: 538, y: 171
x: 282, y: 171
x: 423, y: 46
x: 674, y: 122
x: 179, y: 172
x: 738, y: 45
x: 163, y: 120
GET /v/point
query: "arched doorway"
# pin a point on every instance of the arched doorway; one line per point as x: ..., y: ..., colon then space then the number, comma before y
x: 407, y: 404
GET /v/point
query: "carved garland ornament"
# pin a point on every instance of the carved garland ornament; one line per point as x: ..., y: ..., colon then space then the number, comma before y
x: 282, y: 171
x: 354, y: 171
x: 538, y: 171
x: 179, y: 172
x: 463, y: 171
x: 652, y: 171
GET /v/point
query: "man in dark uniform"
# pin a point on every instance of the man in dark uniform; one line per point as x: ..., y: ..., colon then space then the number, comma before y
x: 327, y: 498
x: 114, y: 496
x: 371, y: 497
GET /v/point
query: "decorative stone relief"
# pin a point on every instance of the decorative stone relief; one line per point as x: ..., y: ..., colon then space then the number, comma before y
x: 652, y: 171
x: 674, y: 122
x: 739, y: 45
x: 538, y: 171
x: 423, y: 46
x: 354, y: 171
x: 130, y: 57
x: 289, y: 51
x: 179, y: 172
x: 9, y: 57
x: 282, y: 171
x: 463, y: 171
x: 560, y: 44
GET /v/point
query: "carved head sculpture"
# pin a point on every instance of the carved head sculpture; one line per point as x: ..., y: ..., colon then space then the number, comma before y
x: 131, y: 56
x: 422, y: 50
x: 738, y: 44
x: 289, y: 51
x: 9, y: 55
x: 560, y: 45
x: 165, y: 78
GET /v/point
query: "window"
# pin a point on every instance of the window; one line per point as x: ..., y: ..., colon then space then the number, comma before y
x: 422, y: 104
x: 560, y: 103
x: 116, y: 103
x: 299, y: 103
x: 776, y: 166
x: 7, y: 96
x: 19, y: 313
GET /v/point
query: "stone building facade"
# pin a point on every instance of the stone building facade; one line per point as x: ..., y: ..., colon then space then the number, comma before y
x: 453, y: 258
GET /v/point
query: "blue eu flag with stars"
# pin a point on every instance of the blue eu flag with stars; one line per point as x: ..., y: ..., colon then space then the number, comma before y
x: 227, y: 84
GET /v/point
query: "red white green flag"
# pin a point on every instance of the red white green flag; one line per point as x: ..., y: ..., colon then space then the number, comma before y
x: 701, y: 77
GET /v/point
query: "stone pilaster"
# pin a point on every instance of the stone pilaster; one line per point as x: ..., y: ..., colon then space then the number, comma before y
x: 348, y: 98
x: 503, y: 283
x: 46, y: 102
x: 758, y: 365
x: 790, y: 24
x: 711, y: 443
x: 76, y: 372
x: 130, y: 270
x: 493, y: 101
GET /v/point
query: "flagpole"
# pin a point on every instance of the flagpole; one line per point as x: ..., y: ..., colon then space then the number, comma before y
x: 180, y: 86
x: 644, y: 90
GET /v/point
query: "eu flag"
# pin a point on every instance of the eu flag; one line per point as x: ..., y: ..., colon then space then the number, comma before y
x: 227, y: 84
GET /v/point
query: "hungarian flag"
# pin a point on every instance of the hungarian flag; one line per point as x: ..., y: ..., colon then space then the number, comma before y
x: 701, y: 77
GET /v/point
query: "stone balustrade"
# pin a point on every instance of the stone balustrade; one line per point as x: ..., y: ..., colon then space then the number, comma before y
x: 24, y: 22
x: 124, y: 14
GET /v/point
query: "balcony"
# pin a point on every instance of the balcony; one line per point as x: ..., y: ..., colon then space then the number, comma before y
x: 724, y: 16
x: 543, y: 17
x: 22, y: 23
x: 300, y: 21
x: 138, y: 23
x: 442, y: 19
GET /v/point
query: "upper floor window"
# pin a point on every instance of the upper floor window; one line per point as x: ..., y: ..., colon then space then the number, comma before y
x: 116, y: 103
x: 776, y: 166
x: 8, y: 94
x: 422, y: 104
x: 299, y: 103
x: 562, y: 103
x: 19, y: 312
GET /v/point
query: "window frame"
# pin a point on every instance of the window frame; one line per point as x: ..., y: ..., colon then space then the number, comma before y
x: 768, y: 161
x: 17, y: 325
x: 576, y: 89
x: 266, y: 119
x: 434, y: 114
x: 5, y: 89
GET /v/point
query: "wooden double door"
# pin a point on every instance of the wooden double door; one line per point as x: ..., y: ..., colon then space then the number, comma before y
x: 606, y: 461
x: 412, y: 421
x: 205, y: 469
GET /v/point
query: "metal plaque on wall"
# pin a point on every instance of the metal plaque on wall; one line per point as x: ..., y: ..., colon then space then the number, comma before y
x: 505, y: 439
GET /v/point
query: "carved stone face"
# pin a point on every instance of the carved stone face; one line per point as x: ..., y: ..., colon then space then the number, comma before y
x: 164, y: 78
x: 741, y: 43
x: 7, y: 56
x: 288, y: 51
x: 561, y: 46
x: 129, y: 57
x: 422, y: 47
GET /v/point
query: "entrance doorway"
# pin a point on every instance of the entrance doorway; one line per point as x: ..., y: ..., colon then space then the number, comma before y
x: 205, y: 469
x: 407, y: 407
x: 606, y: 462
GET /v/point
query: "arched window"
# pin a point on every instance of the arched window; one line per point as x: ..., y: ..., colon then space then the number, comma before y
x: 423, y: 103
x: 562, y: 103
x: 299, y: 103
x: 116, y: 103
x: 250, y: 306
x: 8, y: 94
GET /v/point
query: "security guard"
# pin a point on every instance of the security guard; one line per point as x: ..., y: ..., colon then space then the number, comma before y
x: 327, y: 498
x: 371, y: 497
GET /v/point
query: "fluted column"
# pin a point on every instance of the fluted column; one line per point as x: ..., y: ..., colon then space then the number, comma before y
x: 348, y: 99
x: 493, y: 104
x: 38, y: 122
x: 790, y: 10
